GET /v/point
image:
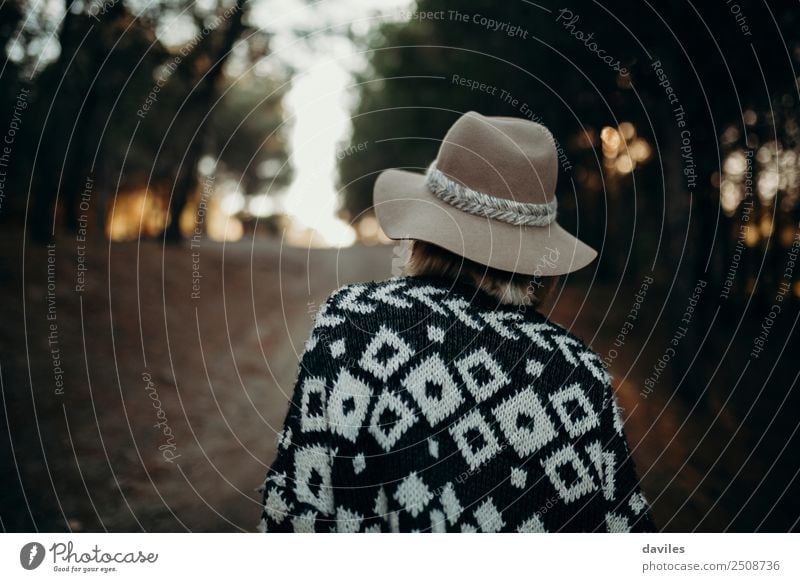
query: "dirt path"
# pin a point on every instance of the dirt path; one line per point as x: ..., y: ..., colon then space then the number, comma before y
x: 149, y: 399
x: 170, y: 400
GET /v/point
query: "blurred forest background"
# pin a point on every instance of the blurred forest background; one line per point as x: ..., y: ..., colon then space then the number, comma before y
x: 138, y: 133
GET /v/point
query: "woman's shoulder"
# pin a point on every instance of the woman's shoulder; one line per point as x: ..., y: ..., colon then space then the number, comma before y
x: 371, y: 297
x: 366, y: 307
x: 357, y: 306
x: 568, y: 348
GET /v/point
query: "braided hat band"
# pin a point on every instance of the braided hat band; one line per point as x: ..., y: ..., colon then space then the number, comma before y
x: 482, y: 204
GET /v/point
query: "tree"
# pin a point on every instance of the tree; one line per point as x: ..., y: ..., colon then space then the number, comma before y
x: 197, y: 106
x: 679, y: 74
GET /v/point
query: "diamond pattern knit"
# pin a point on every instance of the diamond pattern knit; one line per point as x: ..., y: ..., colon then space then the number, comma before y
x: 424, y: 405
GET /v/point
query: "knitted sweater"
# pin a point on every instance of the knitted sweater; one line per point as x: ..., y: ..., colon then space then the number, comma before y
x: 424, y: 405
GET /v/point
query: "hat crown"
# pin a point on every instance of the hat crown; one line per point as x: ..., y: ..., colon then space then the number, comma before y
x: 504, y: 157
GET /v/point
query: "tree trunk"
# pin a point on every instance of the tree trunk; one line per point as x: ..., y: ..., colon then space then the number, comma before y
x: 53, y: 144
x: 200, y: 103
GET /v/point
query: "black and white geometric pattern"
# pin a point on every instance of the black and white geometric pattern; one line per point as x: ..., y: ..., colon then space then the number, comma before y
x: 450, y: 413
x: 475, y: 439
x: 434, y: 389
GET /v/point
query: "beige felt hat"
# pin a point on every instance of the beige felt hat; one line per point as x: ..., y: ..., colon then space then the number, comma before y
x: 489, y: 196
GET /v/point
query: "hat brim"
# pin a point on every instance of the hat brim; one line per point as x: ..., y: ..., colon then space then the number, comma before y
x: 407, y: 209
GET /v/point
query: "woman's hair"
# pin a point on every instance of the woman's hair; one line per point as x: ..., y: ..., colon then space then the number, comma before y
x: 513, y: 288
